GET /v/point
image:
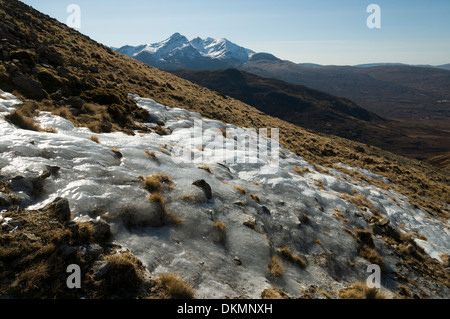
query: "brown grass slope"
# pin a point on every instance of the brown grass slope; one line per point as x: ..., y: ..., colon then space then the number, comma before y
x: 63, y: 71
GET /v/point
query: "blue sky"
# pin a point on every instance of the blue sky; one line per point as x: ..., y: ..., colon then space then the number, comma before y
x: 303, y: 31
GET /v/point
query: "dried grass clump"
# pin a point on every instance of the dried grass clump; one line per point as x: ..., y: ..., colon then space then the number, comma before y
x: 276, y: 267
x: 94, y: 139
x: 161, y: 130
x: 274, y: 293
x: 34, y: 259
x: 19, y: 119
x: 157, y: 198
x: 49, y: 130
x: 339, y: 215
x: 286, y: 253
x: 86, y: 231
x: 220, y: 226
x: 207, y: 168
x: 152, y: 154
x: 174, y: 220
x: 299, y: 170
x: 362, y: 202
x: 360, y: 290
x: 240, y: 189
x: 170, y: 286
x: 155, y: 183
x: 367, y: 248
x: 255, y: 197
x: 371, y: 255
x: 126, y: 272
x: 220, y: 232
x: 63, y: 112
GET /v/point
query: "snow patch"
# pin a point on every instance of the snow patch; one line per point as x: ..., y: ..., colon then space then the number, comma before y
x: 220, y: 263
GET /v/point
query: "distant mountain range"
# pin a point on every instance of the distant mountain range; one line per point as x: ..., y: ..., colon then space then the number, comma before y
x: 370, y: 65
x: 177, y: 52
x: 392, y: 90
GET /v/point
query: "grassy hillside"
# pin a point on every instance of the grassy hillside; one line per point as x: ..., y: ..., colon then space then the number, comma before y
x: 55, y: 68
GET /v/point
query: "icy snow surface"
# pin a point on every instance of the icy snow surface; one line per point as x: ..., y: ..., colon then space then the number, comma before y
x: 100, y: 184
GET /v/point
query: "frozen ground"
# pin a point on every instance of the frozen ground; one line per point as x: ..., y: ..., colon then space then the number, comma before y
x: 100, y: 182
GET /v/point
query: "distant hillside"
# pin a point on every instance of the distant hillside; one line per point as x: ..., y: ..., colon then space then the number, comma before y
x: 393, y: 91
x: 444, y: 66
x: 324, y: 113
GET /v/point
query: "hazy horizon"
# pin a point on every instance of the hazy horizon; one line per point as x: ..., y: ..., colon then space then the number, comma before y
x: 323, y: 32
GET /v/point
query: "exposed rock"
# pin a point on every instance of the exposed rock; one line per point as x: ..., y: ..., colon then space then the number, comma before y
x: 101, y: 269
x: 383, y: 227
x: 59, y: 209
x: 76, y: 102
x: 29, y: 87
x: 68, y: 250
x: 237, y: 261
x: 94, y: 250
x: 4, y: 200
x: 102, y: 231
x: 205, y: 186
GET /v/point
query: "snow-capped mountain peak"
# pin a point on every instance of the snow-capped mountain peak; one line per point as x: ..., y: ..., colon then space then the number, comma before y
x: 178, y: 52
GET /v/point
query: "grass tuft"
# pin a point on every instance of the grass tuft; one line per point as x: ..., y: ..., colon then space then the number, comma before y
x: 170, y: 286
x: 94, y: 139
x: 18, y: 118
x: 293, y: 258
x: 155, y: 183
x: 240, y: 189
x: 276, y: 267
x: 360, y: 290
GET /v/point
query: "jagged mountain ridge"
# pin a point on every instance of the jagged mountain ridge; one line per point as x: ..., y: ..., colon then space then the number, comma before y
x: 178, y: 52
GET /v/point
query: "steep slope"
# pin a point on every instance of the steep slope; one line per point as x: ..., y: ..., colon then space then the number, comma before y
x: 73, y: 86
x: 230, y: 228
x: 324, y: 113
x: 90, y: 65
